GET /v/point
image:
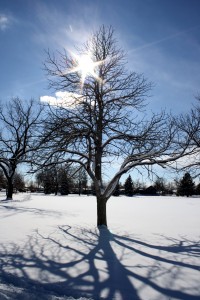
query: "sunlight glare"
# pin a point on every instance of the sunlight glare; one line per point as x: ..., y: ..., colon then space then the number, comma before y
x: 86, y: 64
x: 86, y: 67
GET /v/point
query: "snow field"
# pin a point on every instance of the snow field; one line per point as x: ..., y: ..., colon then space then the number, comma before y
x: 51, y: 249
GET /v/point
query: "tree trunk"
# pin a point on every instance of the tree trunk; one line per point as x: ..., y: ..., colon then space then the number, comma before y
x: 10, y: 189
x: 56, y: 189
x: 101, y: 212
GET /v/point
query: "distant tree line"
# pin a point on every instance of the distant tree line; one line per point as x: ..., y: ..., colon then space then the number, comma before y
x: 182, y: 187
x: 65, y: 180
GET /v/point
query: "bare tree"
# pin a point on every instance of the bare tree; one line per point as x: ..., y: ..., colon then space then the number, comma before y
x: 48, y: 179
x: 103, y: 120
x: 2, y: 180
x: 18, y: 182
x: 19, y: 123
x: 189, y: 125
x: 160, y: 185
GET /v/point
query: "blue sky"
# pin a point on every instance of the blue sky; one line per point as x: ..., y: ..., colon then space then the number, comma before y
x: 161, y: 37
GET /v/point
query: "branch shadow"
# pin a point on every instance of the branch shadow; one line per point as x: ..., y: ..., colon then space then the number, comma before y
x: 97, y: 264
x: 9, y: 211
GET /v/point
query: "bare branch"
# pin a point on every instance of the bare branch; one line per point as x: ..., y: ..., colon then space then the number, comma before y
x: 20, y: 123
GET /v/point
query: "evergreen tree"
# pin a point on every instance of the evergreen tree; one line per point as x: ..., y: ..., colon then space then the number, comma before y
x: 128, y: 186
x: 186, y: 186
x: 117, y: 190
x: 197, y: 190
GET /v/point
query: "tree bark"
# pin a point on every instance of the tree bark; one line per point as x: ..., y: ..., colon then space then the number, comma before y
x: 101, y: 212
x: 10, y: 189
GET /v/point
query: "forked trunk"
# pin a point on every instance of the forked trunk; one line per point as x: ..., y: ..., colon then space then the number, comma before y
x: 101, y: 212
x: 9, y: 190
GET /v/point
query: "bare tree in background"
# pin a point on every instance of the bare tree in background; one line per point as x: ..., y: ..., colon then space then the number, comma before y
x: 101, y: 123
x: 189, y: 125
x: 19, y: 123
x: 2, y: 180
x: 18, y: 182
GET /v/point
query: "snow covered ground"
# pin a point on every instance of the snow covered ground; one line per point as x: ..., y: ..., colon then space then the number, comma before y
x: 51, y: 249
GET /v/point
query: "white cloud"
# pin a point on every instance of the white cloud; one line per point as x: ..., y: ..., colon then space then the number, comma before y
x: 4, y: 22
x: 65, y: 99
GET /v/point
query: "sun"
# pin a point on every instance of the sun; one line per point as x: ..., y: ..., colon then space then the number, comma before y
x: 86, y: 67
x: 86, y: 64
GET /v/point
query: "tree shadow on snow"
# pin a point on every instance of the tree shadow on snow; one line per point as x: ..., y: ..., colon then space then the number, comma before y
x: 9, y: 211
x: 96, y: 263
